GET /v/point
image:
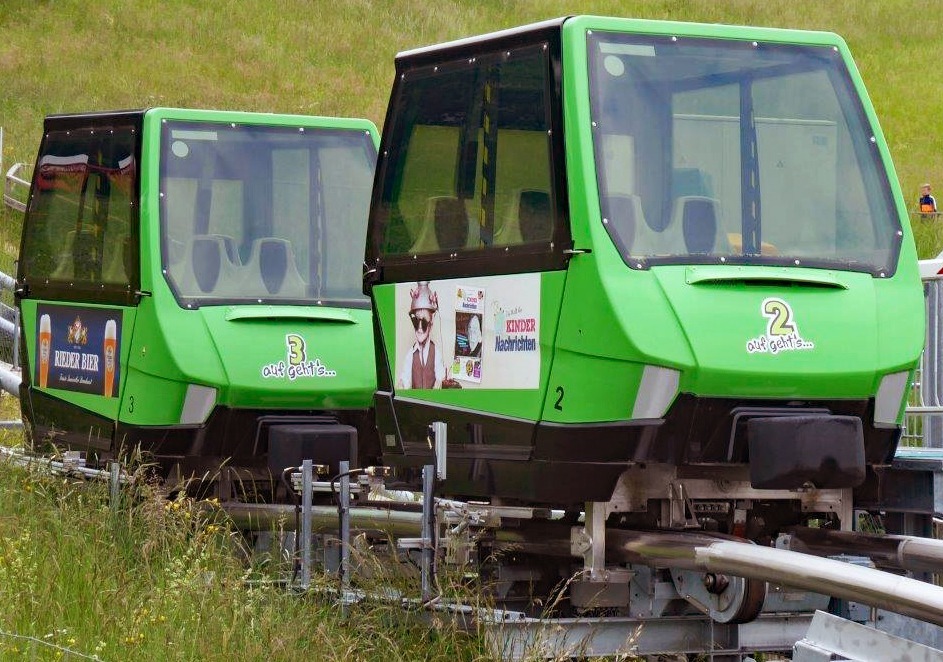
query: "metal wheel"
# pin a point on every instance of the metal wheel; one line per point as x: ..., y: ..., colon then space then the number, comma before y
x: 726, y: 599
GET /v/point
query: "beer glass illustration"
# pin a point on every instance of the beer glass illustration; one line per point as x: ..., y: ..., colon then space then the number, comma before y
x: 45, y: 341
x: 111, y: 336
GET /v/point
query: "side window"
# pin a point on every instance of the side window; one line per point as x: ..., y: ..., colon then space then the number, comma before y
x: 471, y: 162
x: 81, y: 222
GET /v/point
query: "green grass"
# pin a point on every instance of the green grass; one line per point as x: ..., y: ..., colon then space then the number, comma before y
x: 155, y: 582
x: 336, y: 58
x: 158, y: 580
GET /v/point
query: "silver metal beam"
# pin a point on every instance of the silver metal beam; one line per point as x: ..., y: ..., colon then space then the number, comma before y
x: 841, y: 580
x: 9, y: 377
x: 324, y: 518
x: 889, y: 551
x: 833, y: 638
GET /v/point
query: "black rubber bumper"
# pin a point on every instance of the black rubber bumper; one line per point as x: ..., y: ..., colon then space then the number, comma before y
x: 789, y: 452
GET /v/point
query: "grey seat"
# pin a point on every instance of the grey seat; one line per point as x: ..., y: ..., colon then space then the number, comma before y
x: 270, y: 270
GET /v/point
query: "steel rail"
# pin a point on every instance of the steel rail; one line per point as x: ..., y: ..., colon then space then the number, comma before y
x: 699, y: 552
x: 712, y: 554
x: 887, y: 551
x: 324, y: 518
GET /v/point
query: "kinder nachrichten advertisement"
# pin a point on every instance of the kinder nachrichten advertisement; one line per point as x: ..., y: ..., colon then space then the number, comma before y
x: 479, y: 332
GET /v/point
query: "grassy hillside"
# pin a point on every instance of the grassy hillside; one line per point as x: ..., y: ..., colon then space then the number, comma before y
x: 335, y: 58
x: 151, y: 579
x: 156, y: 581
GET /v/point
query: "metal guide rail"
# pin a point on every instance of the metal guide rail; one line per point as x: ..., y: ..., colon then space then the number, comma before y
x: 15, y: 183
x: 757, y: 598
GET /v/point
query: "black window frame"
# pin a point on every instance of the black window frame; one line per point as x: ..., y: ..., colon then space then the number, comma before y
x: 850, y: 105
x: 83, y: 292
x: 495, y: 259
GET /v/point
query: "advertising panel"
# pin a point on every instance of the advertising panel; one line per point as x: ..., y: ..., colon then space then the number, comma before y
x: 469, y: 333
x: 77, y: 349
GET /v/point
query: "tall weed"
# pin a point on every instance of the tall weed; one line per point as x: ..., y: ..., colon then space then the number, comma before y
x: 160, y: 579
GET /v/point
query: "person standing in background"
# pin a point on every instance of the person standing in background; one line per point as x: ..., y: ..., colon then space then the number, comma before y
x: 927, y: 202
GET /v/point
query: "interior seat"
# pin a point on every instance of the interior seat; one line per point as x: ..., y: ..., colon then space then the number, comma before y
x: 535, y: 217
x: 445, y: 226
x: 65, y: 266
x: 696, y: 219
x: 270, y: 270
x: 624, y: 220
x: 206, y: 269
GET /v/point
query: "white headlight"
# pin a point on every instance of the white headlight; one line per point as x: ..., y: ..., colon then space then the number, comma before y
x: 656, y: 392
x: 890, y: 397
x: 198, y: 404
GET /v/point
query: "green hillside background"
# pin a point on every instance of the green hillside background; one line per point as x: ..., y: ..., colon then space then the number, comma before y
x: 84, y: 578
x: 336, y: 58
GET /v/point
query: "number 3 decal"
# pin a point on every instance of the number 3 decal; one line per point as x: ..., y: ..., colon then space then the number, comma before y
x: 296, y: 349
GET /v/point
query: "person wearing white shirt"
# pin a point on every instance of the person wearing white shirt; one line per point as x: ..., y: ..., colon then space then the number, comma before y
x: 422, y: 365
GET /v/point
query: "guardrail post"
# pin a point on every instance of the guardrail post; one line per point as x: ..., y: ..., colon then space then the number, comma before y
x: 114, y: 482
x: 307, y: 496
x: 343, y: 511
x: 427, y: 558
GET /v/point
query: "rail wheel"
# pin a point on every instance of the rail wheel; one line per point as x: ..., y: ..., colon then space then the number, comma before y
x: 725, y: 598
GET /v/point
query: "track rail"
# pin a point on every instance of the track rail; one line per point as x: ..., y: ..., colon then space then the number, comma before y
x: 699, y: 552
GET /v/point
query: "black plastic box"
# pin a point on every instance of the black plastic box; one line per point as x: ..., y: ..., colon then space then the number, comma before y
x: 788, y: 452
x: 290, y: 445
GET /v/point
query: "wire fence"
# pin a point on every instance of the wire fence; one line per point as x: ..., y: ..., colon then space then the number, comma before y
x: 923, y: 421
x: 25, y: 647
x: 16, y: 183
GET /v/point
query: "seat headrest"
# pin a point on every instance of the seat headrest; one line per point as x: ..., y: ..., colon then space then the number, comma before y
x: 274, y: 255
x: 536, y: 221
x: 451, y: 223
x: 206, y: 258
x: 699, y: 224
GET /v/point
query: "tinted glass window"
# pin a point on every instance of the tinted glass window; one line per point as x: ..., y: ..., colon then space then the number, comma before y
x: 81, y: 222
x: 470, y: 161
x: 264, y: 213
x: 717, y: 150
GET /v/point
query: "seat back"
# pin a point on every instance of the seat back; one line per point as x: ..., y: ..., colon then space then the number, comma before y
x: 205, y: 269
x: 534, y: 216
x: 442, y: 223
x: 451, y: 223
x: 698, y: 220
x: 271, y: 270
x: 65, y: 263
x: 624, y: 219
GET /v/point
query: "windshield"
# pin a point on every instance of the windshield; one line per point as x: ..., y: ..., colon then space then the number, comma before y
x: 715, y: 151
x: 264, y: 214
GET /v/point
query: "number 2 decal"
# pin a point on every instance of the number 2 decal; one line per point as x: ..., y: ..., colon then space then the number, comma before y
x: 780, y: 317
x: 782, y: 330
x: 558, y: 405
